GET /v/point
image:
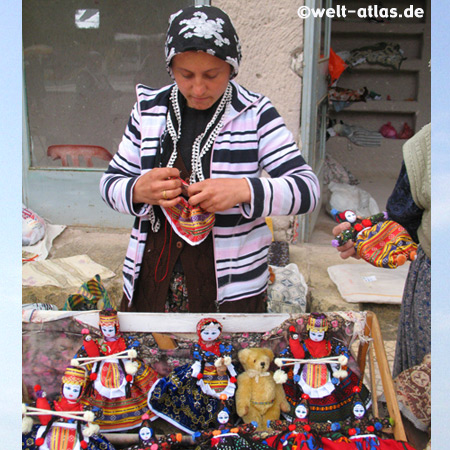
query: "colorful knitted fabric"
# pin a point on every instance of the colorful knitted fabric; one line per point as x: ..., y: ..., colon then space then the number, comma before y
x: 191, y: 223
x: 381, y: 244
x: 91, y: 295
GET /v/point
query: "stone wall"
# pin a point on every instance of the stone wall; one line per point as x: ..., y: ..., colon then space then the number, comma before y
x: 269, y: 32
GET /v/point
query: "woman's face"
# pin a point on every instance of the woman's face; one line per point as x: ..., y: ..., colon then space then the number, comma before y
x: 71, y: 391
x: 201, y: 77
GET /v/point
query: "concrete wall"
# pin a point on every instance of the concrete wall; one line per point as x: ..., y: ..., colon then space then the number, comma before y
x: 269, y: 32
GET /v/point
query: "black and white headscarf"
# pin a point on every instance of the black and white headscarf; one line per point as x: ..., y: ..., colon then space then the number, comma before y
x: 203, y: 28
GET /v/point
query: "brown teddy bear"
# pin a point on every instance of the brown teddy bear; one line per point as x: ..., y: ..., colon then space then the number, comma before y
x: 259, y: 397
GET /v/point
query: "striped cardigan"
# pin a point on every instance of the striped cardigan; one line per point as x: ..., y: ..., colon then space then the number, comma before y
x: 254, y: 137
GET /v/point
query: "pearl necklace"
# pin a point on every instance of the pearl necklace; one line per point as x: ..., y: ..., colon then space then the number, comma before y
x: 197, y: 153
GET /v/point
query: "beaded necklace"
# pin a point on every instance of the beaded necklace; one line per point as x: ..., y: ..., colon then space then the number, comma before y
x: 197, y: 151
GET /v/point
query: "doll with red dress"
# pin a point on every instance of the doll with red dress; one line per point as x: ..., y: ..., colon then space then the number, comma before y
x: 149, y: 441
x: 191, y: 395
x: 318, y: 366
x: 119, y: 381
x: 378, y: 240
x: 297, y: 433
x: 65, y: 424
x: 362, y: 432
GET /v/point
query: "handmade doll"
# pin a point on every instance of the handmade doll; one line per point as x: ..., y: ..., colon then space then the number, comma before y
x: 119, y: 381
x: 231, y: 438
x: 190, y: 396
x: 357, y: 224
x: 299, y: 433
x: 148, y: 440
x: 363, y: 432
x: 379, y: 241
x: 320, y: 370
x: 67, y: 425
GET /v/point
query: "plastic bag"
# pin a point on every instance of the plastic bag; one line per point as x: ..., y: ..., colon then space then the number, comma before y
x: 336, y: 65
x: 33, y: 227
x: 388, y: 131
x: 344, y: 197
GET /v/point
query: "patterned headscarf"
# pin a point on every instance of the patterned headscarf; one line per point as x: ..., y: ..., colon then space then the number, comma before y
x: 203, y: 28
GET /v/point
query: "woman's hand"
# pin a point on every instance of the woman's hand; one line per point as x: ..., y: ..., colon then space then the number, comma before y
x: 160, y: 186
x: 348, y: 249
x: 219, y: 194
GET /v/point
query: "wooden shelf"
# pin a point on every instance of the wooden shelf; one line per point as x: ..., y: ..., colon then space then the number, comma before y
x: 408, y: 65
x: 374, y: 28
x: 383, y: 106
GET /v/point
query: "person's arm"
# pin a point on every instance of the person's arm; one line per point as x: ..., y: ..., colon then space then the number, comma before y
x: 401, y: 207
x: 293, y: 187
x: 117, y: 183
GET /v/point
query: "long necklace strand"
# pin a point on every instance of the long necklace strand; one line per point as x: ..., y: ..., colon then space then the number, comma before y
x: 197, y: 154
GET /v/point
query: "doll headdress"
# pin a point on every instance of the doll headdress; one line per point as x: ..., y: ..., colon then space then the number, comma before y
x: 75, y: 375
x: 108, y: 317
x: 208, y: 322
x: 317, y: 322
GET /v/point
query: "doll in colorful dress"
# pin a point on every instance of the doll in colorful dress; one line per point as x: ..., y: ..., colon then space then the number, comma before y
x: 148, y: 440
x: 328, y: 381
x: 298, y: 433
x: 225, y: 436
x: 68, y: 424
x: 378, y: 240
x: 119, y: 381
x: 357, y: 224
x: 191, y: 395
x: 363, y: 432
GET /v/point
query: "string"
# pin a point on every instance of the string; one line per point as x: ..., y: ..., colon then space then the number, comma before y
x: 162, y: 251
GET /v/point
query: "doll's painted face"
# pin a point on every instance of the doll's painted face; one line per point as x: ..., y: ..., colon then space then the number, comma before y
x: 359, y: 410
x: 316, y: 336
x: 145, y: 433
x: 210, y: 333
x: 223, y: 417
x: 71, y: 391
x: 109, y: 331
x: 350, y: 216
x: 301, y: 412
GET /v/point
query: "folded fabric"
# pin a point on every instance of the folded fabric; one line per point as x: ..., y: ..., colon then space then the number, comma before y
x: 364, y: 283
x: 91, y: 295
x: 63, y: 272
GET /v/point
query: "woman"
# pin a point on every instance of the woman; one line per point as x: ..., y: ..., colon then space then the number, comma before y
x: 410, y: 206
x: 189, y: 168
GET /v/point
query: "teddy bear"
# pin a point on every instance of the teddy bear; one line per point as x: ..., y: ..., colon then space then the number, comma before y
x: 259, y: 396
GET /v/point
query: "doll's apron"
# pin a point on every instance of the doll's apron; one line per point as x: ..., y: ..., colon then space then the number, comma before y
x: 111, y: 379
x: 61, y: 436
